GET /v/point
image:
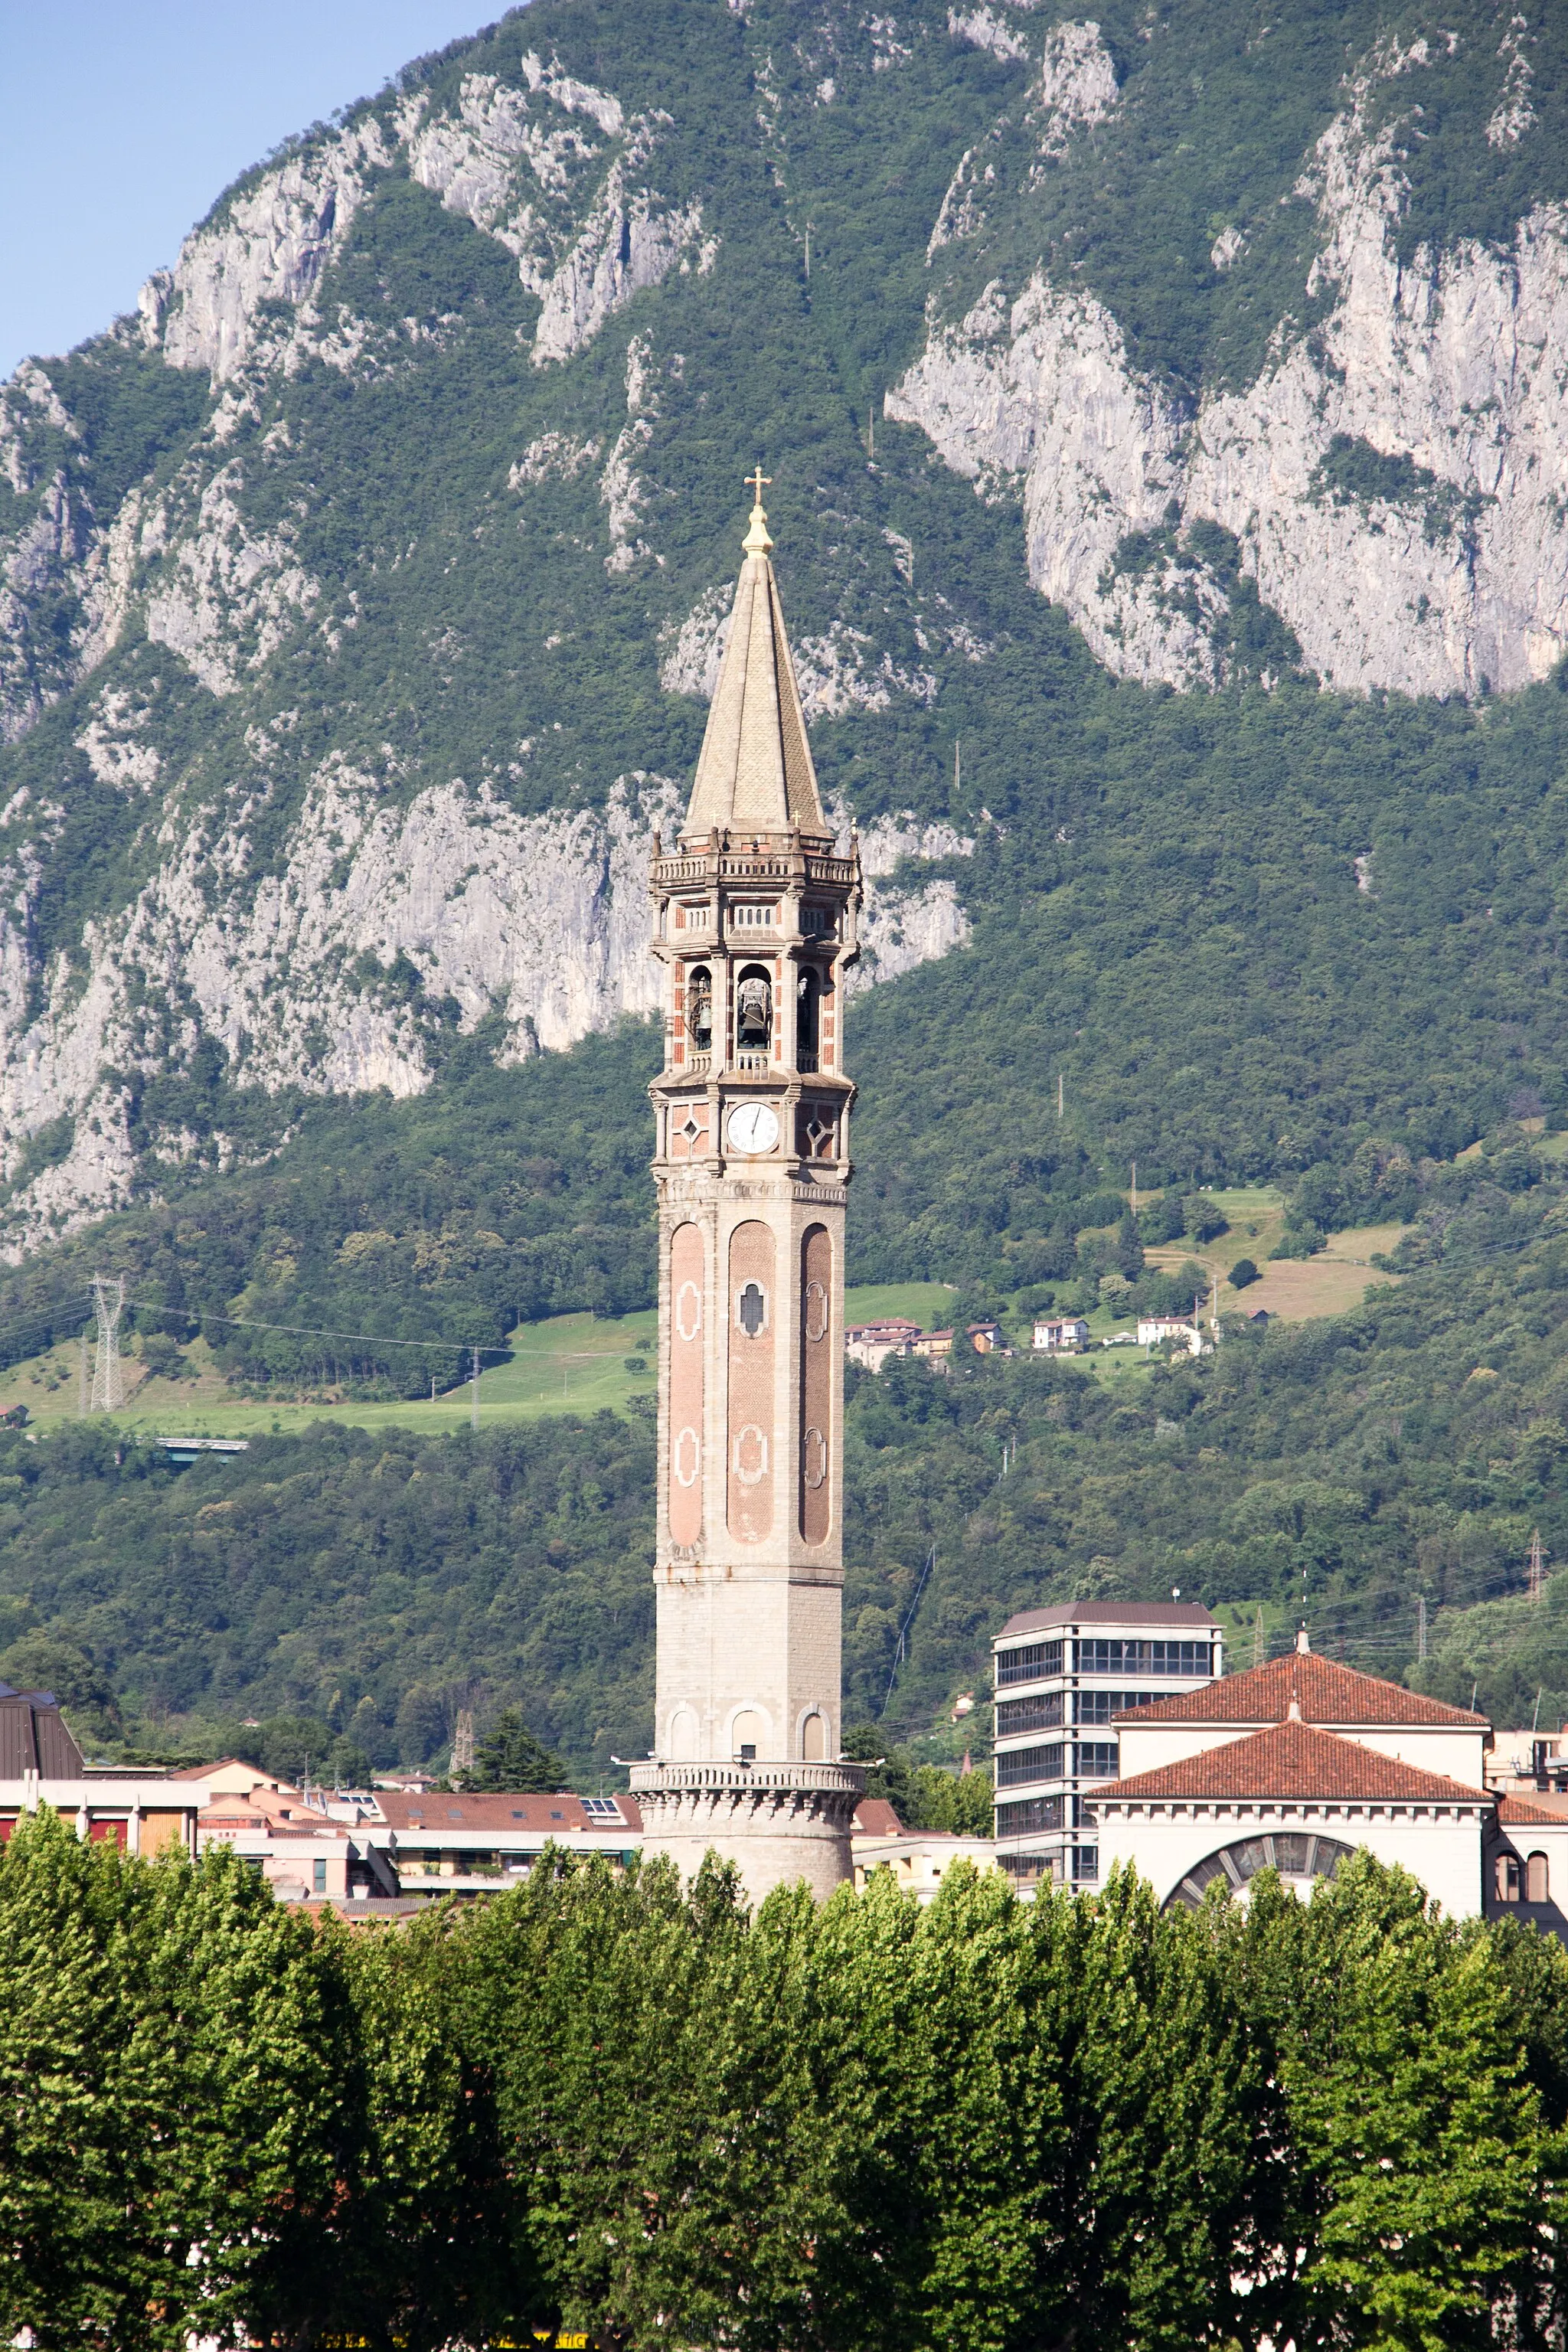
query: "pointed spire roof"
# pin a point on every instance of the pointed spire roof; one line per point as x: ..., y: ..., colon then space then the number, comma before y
x: 755, y: 773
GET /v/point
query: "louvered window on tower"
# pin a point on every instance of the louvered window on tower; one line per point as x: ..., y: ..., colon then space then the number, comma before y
x: 699, y: 1008
x: 754, y: 1010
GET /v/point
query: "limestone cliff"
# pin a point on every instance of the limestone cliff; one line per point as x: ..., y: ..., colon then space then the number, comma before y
x: 360, y: 594
x: 1394, y: 479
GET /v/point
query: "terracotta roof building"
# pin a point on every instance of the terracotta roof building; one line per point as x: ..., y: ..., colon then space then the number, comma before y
x: 1293, y: 1766
x: 1296, y: 1798
x: 1305, y: 1688
x: 1295, y: 1760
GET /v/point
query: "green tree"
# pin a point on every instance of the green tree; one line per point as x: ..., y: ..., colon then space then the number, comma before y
x: 509, y: 1758
x: 1411, y: 2181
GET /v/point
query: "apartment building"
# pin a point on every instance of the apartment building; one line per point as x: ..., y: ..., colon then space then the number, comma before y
x: 1062, y: 1675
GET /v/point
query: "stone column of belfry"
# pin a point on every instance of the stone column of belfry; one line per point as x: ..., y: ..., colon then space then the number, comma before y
x: 755, y: 920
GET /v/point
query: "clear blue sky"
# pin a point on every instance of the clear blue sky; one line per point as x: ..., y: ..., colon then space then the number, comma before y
x: 120, y: 121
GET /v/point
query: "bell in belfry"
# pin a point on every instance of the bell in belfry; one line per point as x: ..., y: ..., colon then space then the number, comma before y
x: 754, y: 1012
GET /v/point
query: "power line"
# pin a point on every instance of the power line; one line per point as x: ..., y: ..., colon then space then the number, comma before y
x: 313, y: 1332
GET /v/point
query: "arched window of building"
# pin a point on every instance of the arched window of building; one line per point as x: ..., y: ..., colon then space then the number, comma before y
x: 1537, y: 1882
x: 1507, y: 1878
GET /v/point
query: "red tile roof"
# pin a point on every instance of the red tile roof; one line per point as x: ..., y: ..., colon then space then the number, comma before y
x: 505, y: 1815
x: 875, y: 1817
x: 1323, y: 1691
x: 1514, y: 1813
x: 1293, y: 1760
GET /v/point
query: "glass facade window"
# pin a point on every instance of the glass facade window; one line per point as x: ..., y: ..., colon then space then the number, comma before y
x: 1097, y: 1758
x: 1086, y: 1861
x: 1100, y: 1657
x: 1021, y: 1764
x: 1099, y: 1706
x: 1032, y: 1664
x: 1031, y: 1869
x: 1041, y: 1712
x: 1026, y: 1816
x: 319, y: 1877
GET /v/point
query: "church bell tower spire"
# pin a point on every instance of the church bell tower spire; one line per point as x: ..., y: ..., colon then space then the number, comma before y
x: 756, y: 915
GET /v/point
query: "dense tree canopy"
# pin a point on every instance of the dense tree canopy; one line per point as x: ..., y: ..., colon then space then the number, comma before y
x: 597, y: 2102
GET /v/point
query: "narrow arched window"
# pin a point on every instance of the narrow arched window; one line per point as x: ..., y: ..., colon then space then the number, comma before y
x: 1537, y: 1885
x: 1507, y: 1879
x: 808, y: 995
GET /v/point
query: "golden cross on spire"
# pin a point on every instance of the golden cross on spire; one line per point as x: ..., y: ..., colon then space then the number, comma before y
x: 756, y: 541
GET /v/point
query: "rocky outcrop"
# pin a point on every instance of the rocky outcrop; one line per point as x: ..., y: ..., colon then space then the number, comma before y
x: 268, y: 243
x: 383, y: 923
x: 1395, y: 482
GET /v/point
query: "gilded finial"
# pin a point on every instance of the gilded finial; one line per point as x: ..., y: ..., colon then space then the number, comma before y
x: 756, y: 541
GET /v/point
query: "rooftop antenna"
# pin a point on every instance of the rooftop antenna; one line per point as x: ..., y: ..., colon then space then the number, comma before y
x: 109, y: 1301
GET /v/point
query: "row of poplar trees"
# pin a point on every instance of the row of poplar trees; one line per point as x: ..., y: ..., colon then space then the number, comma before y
x: 599, y: 2105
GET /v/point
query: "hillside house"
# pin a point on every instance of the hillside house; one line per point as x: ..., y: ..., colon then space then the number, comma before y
x: 871, y: 1344
x: 934, y: 1347
x: 1064, y: 1331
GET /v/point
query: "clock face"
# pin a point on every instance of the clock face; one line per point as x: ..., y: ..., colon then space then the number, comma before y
x: 754, y: 1127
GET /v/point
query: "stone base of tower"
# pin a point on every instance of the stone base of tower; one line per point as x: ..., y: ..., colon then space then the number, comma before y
x: 777, y: 1823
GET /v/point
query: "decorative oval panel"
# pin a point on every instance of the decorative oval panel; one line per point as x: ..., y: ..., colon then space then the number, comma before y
x: 683, y: 1493
x: 751, y: 1406
x: 817, y: 1379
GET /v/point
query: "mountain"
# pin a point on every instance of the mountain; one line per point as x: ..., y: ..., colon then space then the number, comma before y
x: 363, y: 589
x: 1163, y: 419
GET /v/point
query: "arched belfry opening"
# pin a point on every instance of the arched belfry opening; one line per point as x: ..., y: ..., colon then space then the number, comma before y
x: 753, y: 1010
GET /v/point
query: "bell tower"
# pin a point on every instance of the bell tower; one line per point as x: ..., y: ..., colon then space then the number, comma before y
x: 755, y: 924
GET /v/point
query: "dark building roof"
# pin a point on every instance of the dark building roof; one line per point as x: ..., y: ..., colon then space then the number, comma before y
x: 34, y: 1737
x: 1175, y: 1613
x: 1294, y: 1759
x: 1322, y: 1691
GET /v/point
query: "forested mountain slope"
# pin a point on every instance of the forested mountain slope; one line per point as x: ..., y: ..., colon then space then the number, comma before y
x: 363, y: 589
x: 1163, y: 419
x: 370, y: 1582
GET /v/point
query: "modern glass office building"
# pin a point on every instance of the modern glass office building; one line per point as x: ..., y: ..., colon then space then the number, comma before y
x: 1062, y: 1676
